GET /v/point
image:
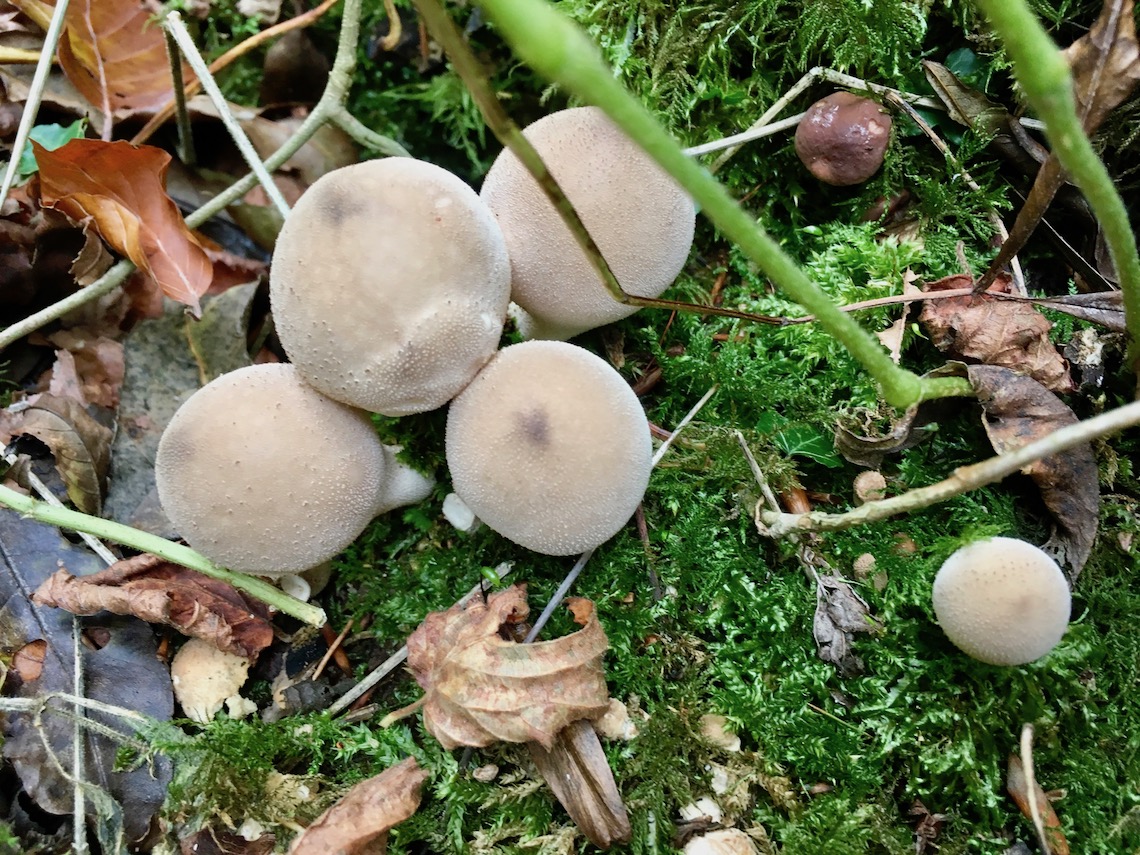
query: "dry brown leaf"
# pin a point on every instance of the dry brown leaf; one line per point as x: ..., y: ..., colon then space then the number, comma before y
x: 480, y: 688
x: 160, y: 592
x: 1019, y: 410
x: 839, y: 614
x: 114, y: 53
x: 996, y: 332
x: 99, y: 364
x: 81, y: 446
x: 120, y: 189
x: 1105, y: 63
x: 362, y: 818
x: 577, y: 770
x: 1018, y: 788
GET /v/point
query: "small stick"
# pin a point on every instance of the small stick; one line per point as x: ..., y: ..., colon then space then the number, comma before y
x: 964, y: 478
x: 174, y: 26
x: 182, y: 115
x: 1031, y: 787
x: 689, y: 416
x: 35, y: 96
x: 335, y: 650
x: 559, y: 595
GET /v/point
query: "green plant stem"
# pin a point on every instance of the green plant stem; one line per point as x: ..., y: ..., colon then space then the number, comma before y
x: 1044, y: 76
x: 176, y: 552
x: 555, y: 47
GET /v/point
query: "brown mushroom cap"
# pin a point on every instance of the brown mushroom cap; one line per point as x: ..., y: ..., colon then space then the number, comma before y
x: 390, y: 285
x: 842, y: 138
x: 1002, y: 601
x: 261, y: 473
x: 640, y: 218
x: 549, y: 447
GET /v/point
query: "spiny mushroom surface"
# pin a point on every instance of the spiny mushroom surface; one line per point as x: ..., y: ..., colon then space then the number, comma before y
x: 389, y: 285
x: 261, y: 473
x: 549, y: 447
x: 638, y: 216
x: 842, y: 138
x: 1002, y: 601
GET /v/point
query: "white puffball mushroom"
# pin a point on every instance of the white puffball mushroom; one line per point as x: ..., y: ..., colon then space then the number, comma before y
x: 722, y: 841
x: 204, y: 678
x: 639, y: 217
x: 1002, y: 601
x: 261, y: 473
x: 549, y: 447
x: 389, y: 285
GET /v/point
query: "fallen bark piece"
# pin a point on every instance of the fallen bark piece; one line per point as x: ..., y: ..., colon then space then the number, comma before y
x: 480, y: 688
x: 161, y: 592
x: 360, y: 821
x: 576, y: 769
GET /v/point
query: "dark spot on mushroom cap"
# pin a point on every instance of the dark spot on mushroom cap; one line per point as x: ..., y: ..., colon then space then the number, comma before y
x: 534, y: 425
x: 334, y: 205
x: 842, y: 138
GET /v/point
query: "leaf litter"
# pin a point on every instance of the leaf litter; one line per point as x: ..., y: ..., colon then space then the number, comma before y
x: 122, y: 672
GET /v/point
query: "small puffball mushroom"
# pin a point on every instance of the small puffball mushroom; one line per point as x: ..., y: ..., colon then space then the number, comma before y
x: 638, y: 216
x: 204, y: 678
x: 262, y: 474
x: 1002, y: 601
x: 842, y: 138
x: 722, y: 841
x: 389, y: 285
x: 549, y: 447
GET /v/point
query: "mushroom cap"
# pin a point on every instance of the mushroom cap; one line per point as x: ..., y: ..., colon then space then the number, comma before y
x: 842, y: 138
x: 639, y: 217
x: 390, y: 283
x: 261, y: 473
x: 1002, y: 601
x: 549, y: 447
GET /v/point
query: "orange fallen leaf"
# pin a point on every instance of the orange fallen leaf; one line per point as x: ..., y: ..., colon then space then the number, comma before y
x: 113, y: 52
x: 120, y: 189
x: 480, y: 688
x: 160, y: 592
x: 360, y: 821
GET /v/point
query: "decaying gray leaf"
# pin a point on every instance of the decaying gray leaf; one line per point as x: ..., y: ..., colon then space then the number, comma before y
x: 1105, y: 308
x: 1019, y: 410
x: 122, y: 672
x: 839, y: 614
x: 81, y: 446
x: 577, y: 770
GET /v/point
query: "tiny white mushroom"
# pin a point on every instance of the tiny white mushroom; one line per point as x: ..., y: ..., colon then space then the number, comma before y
x: 262, y: 474
x: 1002, y: 601
x: 549, y: 447
x: 389, y: 285
x: 639, y: 217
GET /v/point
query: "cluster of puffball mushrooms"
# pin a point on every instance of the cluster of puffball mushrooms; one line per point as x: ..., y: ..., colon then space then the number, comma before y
x: 390, y: 287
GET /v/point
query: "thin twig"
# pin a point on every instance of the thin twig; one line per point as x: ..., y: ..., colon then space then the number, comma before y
x: 559, y: 596
x: 173, y: 25
x: 333, y: 648
x: 689, y: 416
x: 35, y: 96
x: 182, y: 115
x: 963, y: 479
x: 1031, y: 787
x: 78, y: 744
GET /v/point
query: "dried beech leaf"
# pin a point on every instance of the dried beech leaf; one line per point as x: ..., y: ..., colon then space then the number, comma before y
x: 1105, y: 308
x: 115, y: 55
x: 99, y: 364
x: 1019, y: 410
x: 892, y: 337
x: 1105, y: 63
x: 120, y: 189
x: 576, y: 769
x: 839, y: 614
x: 160, y: 592
x: 964, y: 104
x: 996, y: 332
x: 366, y: 812
x: 480, y: 688
x: 1018, y: 788
x: 81, y: 446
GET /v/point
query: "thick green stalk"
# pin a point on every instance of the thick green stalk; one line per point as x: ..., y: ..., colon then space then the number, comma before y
x: 163, y: 548
x: 555, y: 47
x: 1044, y: 76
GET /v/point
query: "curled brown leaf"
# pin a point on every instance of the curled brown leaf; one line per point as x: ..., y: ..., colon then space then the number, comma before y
x: 480, y: 688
